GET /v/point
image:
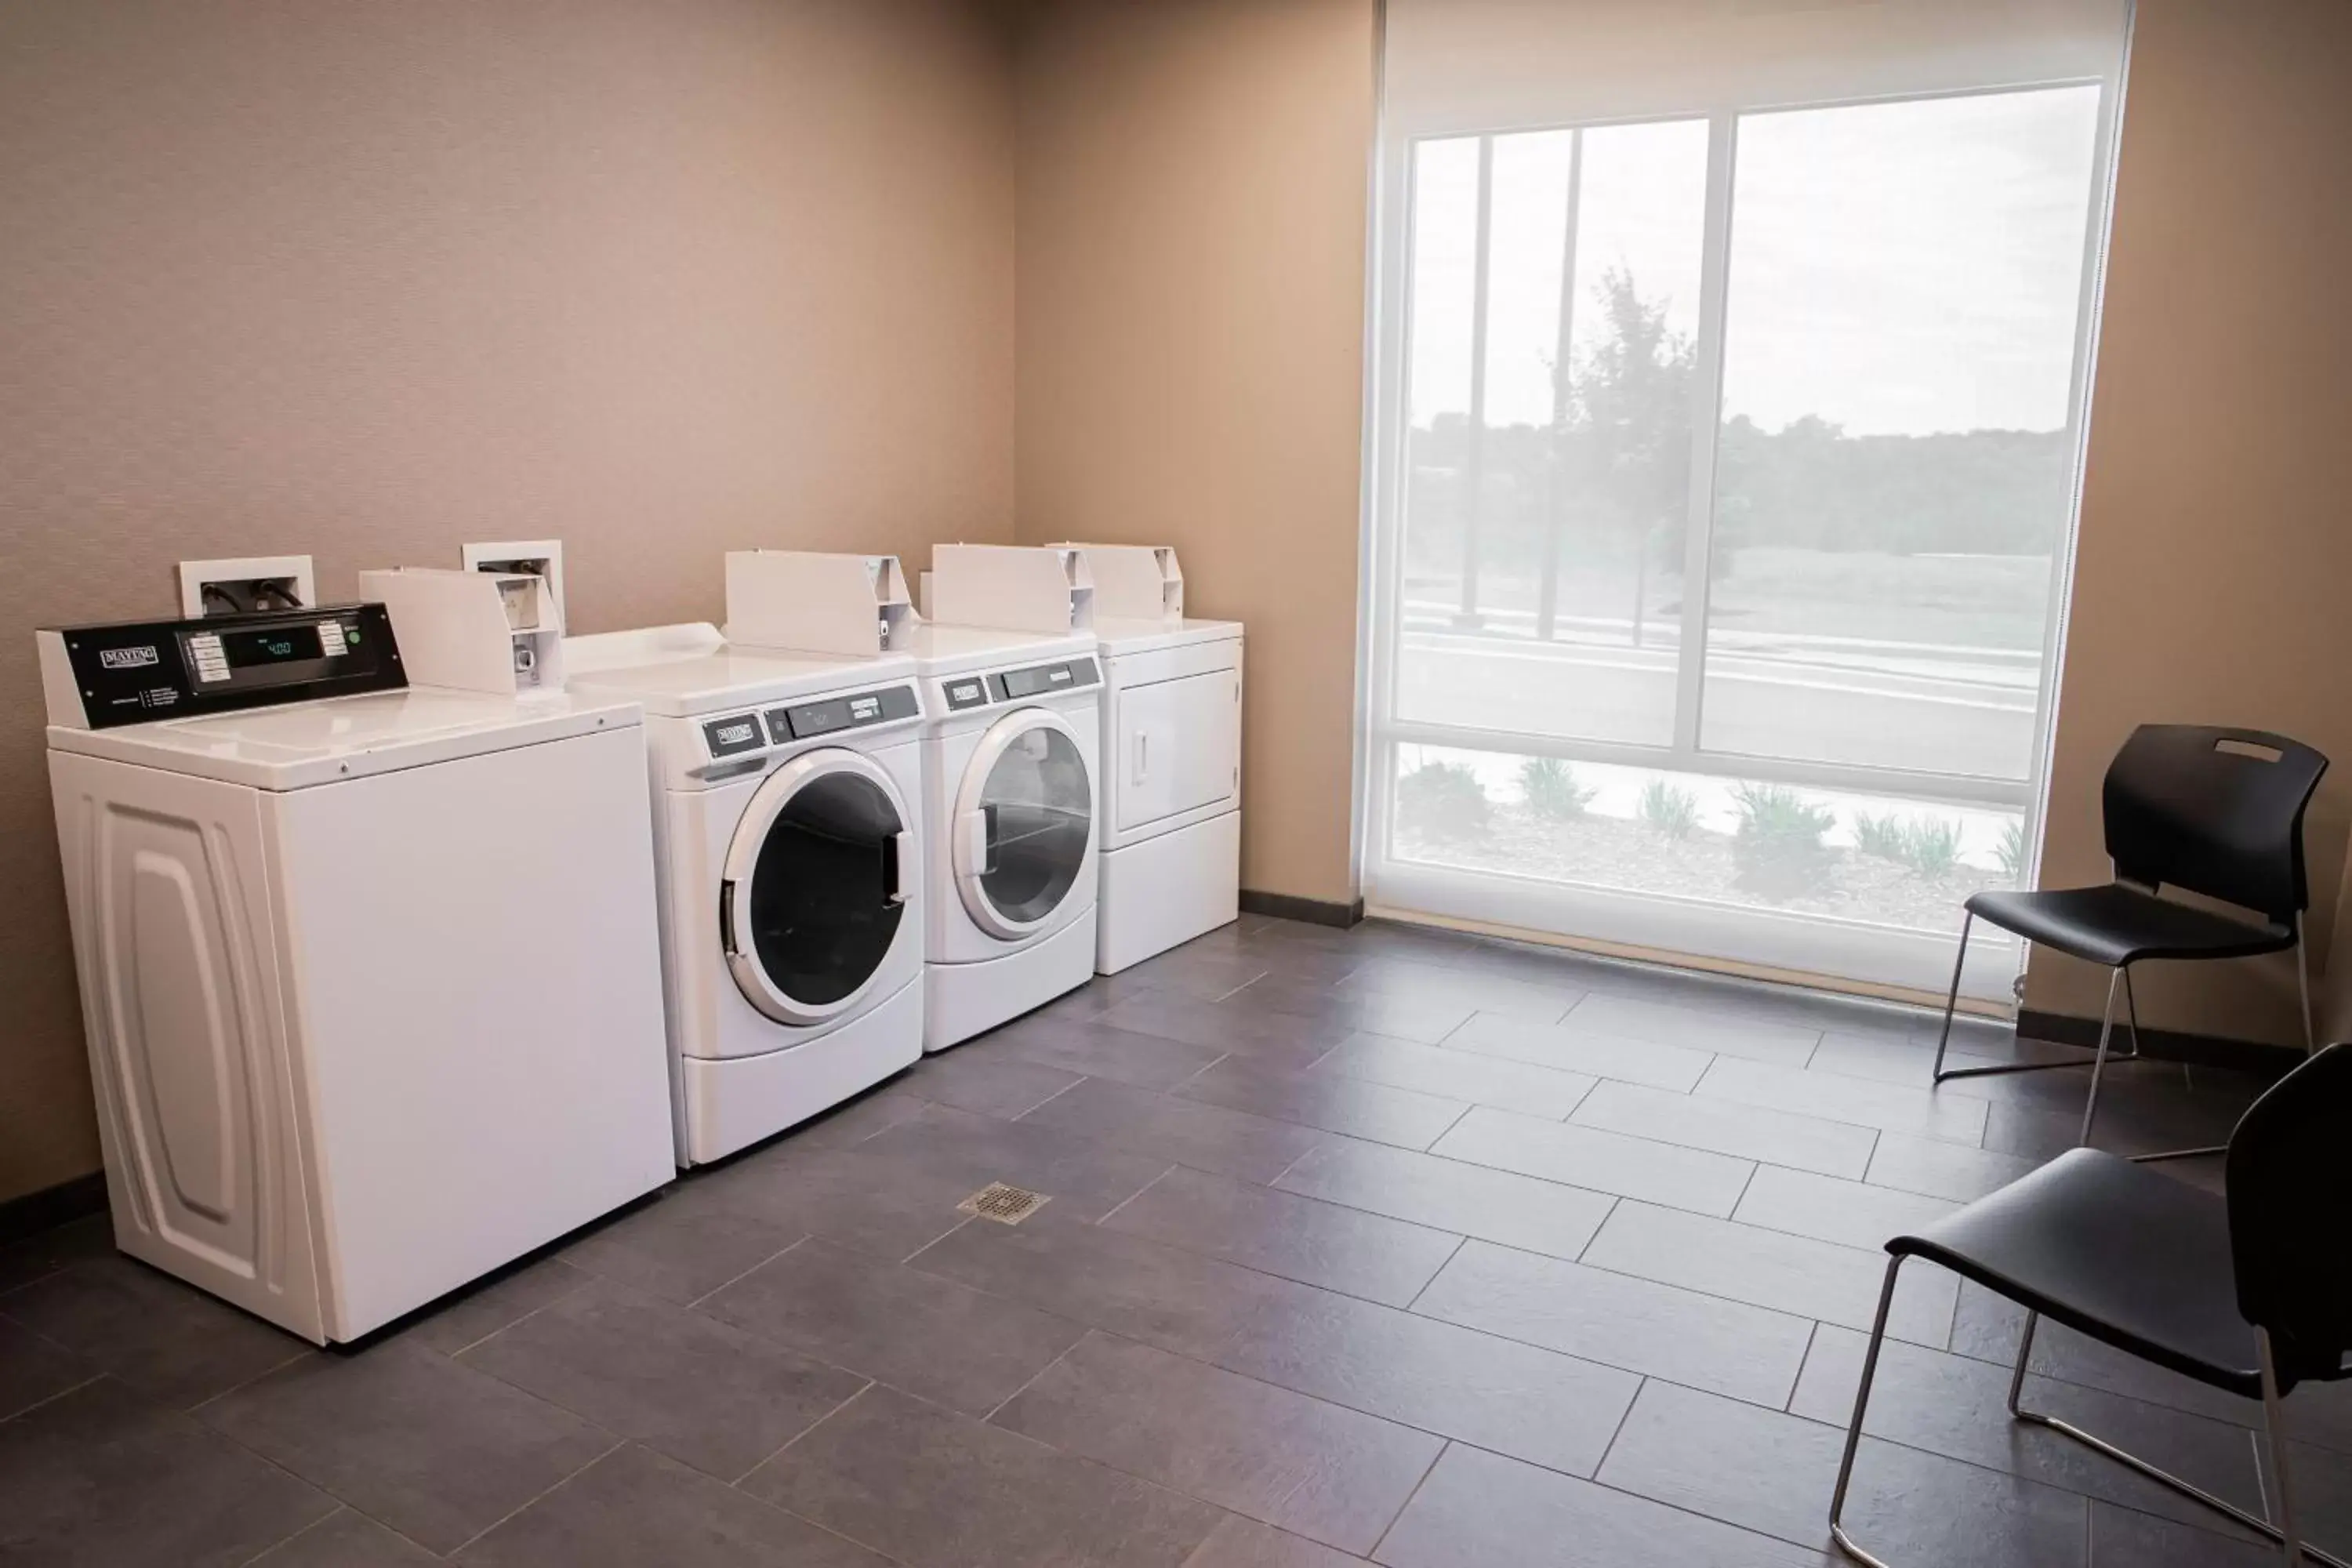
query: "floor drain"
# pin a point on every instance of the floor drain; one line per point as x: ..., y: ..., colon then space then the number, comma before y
x: 1004, y: 1204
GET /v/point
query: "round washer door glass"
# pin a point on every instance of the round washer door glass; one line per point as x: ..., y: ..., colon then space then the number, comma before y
x: 1029, y: 826
x: 824, y: 898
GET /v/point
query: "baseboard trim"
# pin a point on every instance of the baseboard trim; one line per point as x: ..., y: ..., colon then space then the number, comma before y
x: 2165, y: 1044
x: 35, y: 1212
x: 1314, y: 911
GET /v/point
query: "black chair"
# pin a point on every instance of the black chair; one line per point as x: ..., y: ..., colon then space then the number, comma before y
x: 2252, y: 1294
x: 2210, y: 811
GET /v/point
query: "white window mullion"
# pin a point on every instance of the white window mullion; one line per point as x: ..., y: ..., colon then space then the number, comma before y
x: 1706, y: 427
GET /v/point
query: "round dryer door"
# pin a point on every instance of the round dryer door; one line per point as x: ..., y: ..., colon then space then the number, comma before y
x: 1023, y: 820
x: 816, y: 884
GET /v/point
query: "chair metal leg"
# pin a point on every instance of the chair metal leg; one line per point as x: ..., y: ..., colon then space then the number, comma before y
x: 2275, y: 1421
x: 2310, y: 1046
x: 1845, y: 1542
x: 2024, y: 1354
x: 1951, y: 1002
x: 1952, y: 997
x: 2099, y: 1059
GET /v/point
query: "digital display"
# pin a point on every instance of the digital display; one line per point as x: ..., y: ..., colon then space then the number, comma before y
x: 271, y: 644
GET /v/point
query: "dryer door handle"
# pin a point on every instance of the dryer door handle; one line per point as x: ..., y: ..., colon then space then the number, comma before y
x: 898, y: 854
x: 1143, y: 755
x: 974, y: 828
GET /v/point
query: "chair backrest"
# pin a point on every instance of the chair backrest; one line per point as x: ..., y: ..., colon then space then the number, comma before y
x: 2289, y: 1195
x: 2219, y: 812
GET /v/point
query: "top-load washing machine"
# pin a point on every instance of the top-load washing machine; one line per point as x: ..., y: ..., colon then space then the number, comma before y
x: 788, y: 789
x: 1011, y: 766
x: 369, y: 970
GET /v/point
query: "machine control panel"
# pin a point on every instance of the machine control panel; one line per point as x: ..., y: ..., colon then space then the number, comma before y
x: 854, y: 712
x: 969, y: 691
x: 130, y: 672
x: 1043, y: 680
x: 739, y: 733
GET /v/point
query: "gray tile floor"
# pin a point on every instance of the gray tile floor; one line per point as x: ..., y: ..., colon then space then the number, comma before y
x: 1384, y: 1246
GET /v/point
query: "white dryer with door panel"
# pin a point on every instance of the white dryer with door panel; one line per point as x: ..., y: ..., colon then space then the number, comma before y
x: 1011, y: 770
x: 369, y: 970
x: 1171, y: 785
x: 788, y: 794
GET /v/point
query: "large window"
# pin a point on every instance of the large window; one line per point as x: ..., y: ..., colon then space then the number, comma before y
x: 1723, y: 495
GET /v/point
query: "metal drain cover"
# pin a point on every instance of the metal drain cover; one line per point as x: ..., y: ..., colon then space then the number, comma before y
x: 1003, y: 1203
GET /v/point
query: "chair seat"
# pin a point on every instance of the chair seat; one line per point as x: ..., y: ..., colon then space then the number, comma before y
x: 2116, y: 1251
x: 2115, y: 925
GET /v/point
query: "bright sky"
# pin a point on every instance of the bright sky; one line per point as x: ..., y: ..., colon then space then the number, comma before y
x: 1896, y: 267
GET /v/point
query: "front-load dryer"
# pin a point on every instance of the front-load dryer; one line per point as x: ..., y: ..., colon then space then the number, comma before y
x: 788, y: 793
x: 1011, y: 764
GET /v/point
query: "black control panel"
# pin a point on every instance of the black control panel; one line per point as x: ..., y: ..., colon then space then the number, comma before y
x: 130, y: 672
x: 969, y: 691
x: 1043, y: 680
x: 740, y: 732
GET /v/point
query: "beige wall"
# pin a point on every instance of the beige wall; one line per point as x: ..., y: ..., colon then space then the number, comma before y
x: 1192, y: 188
x: 372, y: 279
x: 2215, y: 563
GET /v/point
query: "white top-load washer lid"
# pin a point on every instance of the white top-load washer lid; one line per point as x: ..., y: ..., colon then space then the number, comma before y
x: 1122, y: 636
x: 304, y: 743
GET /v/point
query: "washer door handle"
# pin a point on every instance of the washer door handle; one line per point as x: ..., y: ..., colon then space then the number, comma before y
x: 975, y: 842
x: 899, y: 853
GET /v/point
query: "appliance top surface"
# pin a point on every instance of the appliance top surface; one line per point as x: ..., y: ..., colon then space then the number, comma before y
x: 735, y: 677
x: 302, y: 744
x: 951, y: 651
x: 1121, y: 635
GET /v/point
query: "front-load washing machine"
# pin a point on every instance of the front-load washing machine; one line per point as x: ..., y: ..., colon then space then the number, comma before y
x: 369, y: 970
x: 788, y: 846
x: 1009, y: 773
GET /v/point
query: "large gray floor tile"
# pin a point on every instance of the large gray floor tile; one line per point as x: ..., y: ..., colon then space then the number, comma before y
x: 1889, y: 1107
x: 165, y: 1338
x: 934, y: 1489
x: 634, y: 1509
x: 1793, y: 1274
x: 921, y: 1332
x: 1532, y: 1000
x: 436, y: 1450
x: 1095, y: 1047
x: 706, y: 1393
x: 1205, y: 1137
x: 1599, y: 1161
x: 483, y: 1308
x: 1281, y: 1233
x: 1852, y: 1214
x: 1334, y: 1102
x: 1662, y: 1330
x: 44, y: 1252
x: 678, y: 1248
x: 1107, y: 1278
x: 1530, y: 1090
x: 1273, y: 1039
x: 1483, y: 1510
x: 1941, y: 1170
x: 1503, y: 1207
x: 1497, y: 1393
x: 1245, y: 1543
x: 1774, y: 1474
x: 1696, y: 1122
x: 346, y: 1539
x: 1402, y: 1015
x: 34, y: 1368
x: 1722, y: 1031
x: 1621, y: 1057
x: 1331, y: 1474
x: 965, y: 1153
x: 2121, y: 1539
x: 105, y: 1476
x: 878, y: 1204
x: 984, y: 1085
x: 1910, y: 1059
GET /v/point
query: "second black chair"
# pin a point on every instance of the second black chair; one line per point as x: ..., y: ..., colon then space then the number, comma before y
x: 2210, y: 811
